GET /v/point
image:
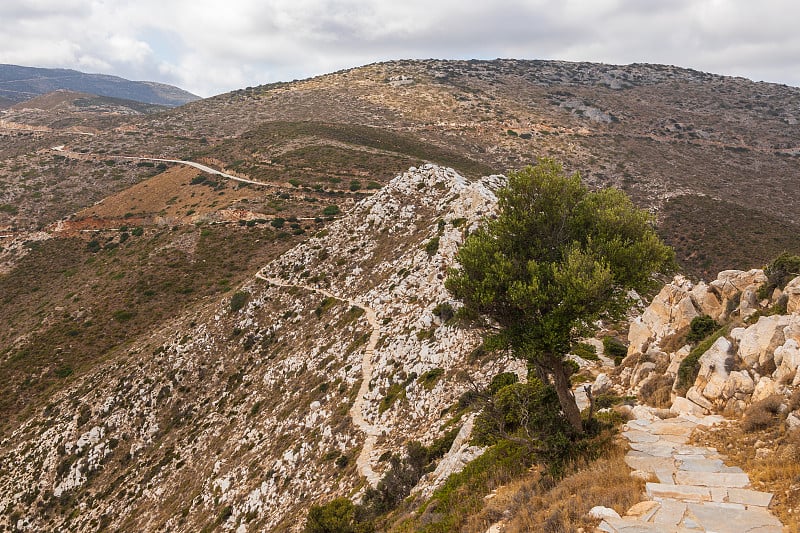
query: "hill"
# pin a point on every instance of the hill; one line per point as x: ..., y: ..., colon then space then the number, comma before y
x: 18, y: 84
x: 220, y: 314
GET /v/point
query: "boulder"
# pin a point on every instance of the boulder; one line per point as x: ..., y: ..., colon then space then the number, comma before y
x: 602, y: 384
x: 792, y: 292
x: 748, y: 303
x: 640, y: 372
x: 715, y: 366
x: 739, y: 385
x: 695, y: 396
x: 672, y: 309
x: 787, y: 359
x: 676, y: 359
x: 793, y: 420
x: 706, y: 301
x: 764, y: 388
x: 757, y: 343
x: 729, y: 283
x: 599, y: 512
x: 682, y: 406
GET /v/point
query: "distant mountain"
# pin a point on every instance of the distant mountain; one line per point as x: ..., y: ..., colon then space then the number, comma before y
x: 18, y: 84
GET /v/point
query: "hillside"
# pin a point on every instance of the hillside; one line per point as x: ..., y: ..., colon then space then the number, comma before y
x: 222, y: 346
x: 18, y: 84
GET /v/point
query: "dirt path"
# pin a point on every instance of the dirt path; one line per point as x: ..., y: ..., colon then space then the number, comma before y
x: 371, y: 431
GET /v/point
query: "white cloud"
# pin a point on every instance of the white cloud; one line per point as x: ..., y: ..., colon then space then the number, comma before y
x: 207, y: 46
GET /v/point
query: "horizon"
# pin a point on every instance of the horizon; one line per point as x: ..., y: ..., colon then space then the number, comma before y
x: 206, y: 50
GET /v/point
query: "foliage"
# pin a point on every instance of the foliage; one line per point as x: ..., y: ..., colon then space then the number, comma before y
x: 779, y: 272
x: 527, y: 413
x: 701, y: 327
x: 444, y: 311
x: 690, y: 366
x: 432, y: 246
x: 238, y: 300
x: 336, y: 516
x: 429, y: 378
x: 502, y: 380
x: 762, y: 414
x: 557, y: 258
x: 586, y: 351
x: 614, y: 349
x: 331, y: 210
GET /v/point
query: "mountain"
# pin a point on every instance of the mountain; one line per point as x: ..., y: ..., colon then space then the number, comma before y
x: 18, y: 84
x: 219, y: 315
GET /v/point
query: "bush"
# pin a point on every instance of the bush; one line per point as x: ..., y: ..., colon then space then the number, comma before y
x: 331, y: 210
x: 585, y: 351
x: 781, y: 271
x: 762, y: 414
x: 137, y: 232
x: 355, y: 185
x: 336, y: 516
x: 277, y: 222
x: 690, y: 366
x: 444, y: 311
x: 430, y: 378
x: 614, y: 349
x: 432, y: 246
x: 238, y: 300
x: 657, y: 391
x: 701, y: 327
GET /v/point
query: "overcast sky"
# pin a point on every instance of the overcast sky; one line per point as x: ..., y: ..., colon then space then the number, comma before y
x: 212, y: 46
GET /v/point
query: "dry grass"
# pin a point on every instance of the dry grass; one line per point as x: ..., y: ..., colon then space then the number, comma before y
x: 534, y: 503
x: 656, y: 391
x: 777, y: 470
x: 762, y: 414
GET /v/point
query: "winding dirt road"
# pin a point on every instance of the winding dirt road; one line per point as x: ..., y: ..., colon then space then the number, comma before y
x: 363, y: 462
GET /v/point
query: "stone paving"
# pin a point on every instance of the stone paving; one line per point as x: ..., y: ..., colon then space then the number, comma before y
x: 694, y: 490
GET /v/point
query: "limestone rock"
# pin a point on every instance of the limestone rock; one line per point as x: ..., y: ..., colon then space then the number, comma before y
x: 764, y: 388
x: 793, y: 420
x: 682, y: 406
x: 787, y: 359
x: 600, y: 512
x: 706, y: 300
x: 694, y: 395
x: 715, y: 366
x: 671, y: 309
x: 757, y: 343
x: 602, y: 384
x: 792, y: 292
x: 738, y: 385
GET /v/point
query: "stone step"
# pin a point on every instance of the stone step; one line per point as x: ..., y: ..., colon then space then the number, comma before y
x: 712, y: 479
x: 730, y: 518
x: 678, y: 492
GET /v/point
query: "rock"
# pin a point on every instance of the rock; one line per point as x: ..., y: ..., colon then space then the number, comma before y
x: 792, y: 291
x: 715, y: 366
x: 748, y: 303
x: 706, y: 301
x: 682, y: 405
x: 600, y: 512
x: 641, y: 412
x: 793, y: 420
x: 672, y: 309
x: 757, y: 343
x: 787, y: 359
x: 676, y: 358
x: 764, y: 389
x: 602, y: 384
x: 644, y: 510
x: 694, y: 395
x: 641, y: 372
x: 729, y: 283
x: 738, y: 385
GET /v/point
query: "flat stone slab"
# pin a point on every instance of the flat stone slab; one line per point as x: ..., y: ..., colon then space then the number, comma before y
x: 670, y: 514
x: 691, y: 493
x: 749, y: 497
x: 712, y: 479
x: 724, y: 518
x: 656, y: 449
x: 648, y: 463
x: 636, y: 435
x: 627, y: 525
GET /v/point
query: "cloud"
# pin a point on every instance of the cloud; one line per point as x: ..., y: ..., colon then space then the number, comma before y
x: 209, y: 47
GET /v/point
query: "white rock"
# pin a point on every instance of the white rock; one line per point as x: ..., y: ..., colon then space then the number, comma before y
x: 599, y: 512
x: 763, y: 389
x: 792, y: 291
x: 793, y: 421
x: 602, y: 384
x: 683, y: 406
x: 758, y: 342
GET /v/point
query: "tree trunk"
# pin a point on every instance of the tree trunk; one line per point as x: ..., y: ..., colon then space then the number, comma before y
x: 565, y: 396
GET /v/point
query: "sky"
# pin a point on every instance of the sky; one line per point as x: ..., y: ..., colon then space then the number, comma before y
x: 210, y: 46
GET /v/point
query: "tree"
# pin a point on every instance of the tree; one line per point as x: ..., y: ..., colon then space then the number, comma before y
x: 557, y: 258
x: 336, y: 516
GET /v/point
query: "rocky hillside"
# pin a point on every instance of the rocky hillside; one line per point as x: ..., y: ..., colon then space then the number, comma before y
x: 242, y: 414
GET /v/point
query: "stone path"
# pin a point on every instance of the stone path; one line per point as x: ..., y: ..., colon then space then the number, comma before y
x: 695, y: 491
x: 372, y: 431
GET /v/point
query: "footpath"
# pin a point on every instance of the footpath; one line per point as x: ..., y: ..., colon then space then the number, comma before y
x: 694, y: 490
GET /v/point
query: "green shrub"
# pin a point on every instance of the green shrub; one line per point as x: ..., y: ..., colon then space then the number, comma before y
x: 444, y: 311
x: 690, y: 366
x: 585, y: 351
x: 430, y: 378
x: 502, y: 380
x: 137, y: 232
x: 336, y: 516
x: 395, y: 392
x: 238, y: 300
x: 701, y: 327
x: 432, y: 246
x: 355, y: 185
x: 93, y: 246
x: 614, y: 349
x: 331, y: 210
x: 781, y: 271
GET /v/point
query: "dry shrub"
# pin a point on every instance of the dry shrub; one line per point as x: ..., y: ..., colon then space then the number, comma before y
x: 657, y: 391
x: 762, y: 414
x: 563, y: 505
x: 676, y: 341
